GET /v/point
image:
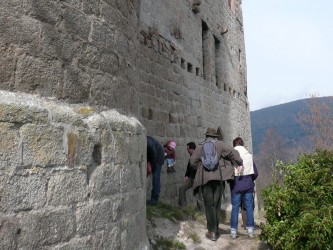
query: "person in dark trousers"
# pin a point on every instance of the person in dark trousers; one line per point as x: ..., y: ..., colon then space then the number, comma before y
x: 242, y: 190
x: 189, y: 177
x: 155, y: 156
x: 211, y: 182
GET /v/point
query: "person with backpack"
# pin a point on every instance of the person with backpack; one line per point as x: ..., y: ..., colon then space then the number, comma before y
x: 210, y: 159
x: 155, y: 159
x: 242, y: 190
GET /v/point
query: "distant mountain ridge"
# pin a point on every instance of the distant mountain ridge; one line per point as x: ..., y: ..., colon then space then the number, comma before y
x: 284, y: 119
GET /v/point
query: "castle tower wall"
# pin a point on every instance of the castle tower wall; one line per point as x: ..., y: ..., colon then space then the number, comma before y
x: 192, y: 75
x: 177, y: 66
x: 70, y: 177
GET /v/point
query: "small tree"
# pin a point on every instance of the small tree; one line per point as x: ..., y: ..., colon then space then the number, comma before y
x: 318, y: 122
x: 299, y: 211
x: 271, y: 151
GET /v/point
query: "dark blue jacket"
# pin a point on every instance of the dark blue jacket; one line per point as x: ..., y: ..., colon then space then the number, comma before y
x: 245, y: 183
x: 155, y: 153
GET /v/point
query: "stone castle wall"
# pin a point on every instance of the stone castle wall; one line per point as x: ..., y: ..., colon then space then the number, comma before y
x: 68, y: 179
x: 192, y: 76
x: 177, y: 66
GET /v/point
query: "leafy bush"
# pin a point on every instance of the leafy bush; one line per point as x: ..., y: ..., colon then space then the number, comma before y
x: 299, y: 210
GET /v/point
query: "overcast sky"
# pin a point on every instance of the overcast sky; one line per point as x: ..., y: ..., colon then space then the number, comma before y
x: 289, y: 50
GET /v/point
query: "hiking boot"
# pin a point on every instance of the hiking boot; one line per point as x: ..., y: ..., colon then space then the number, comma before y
x: 152, y: 202
x: 233, y: 234
x: 250, y: 233
x: 211, y: 235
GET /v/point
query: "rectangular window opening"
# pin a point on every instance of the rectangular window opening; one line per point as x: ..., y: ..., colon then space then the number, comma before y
x: 218, y: 63
x: 197, y: 71
x: 182, y: 63
x: 189, y: 67
x: 205, y: 48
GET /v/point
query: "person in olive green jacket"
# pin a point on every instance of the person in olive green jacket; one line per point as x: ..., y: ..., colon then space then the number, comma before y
x: 211, y: 183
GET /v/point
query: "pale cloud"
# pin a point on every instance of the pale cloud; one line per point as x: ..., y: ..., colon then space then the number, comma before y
x: 289, y: 46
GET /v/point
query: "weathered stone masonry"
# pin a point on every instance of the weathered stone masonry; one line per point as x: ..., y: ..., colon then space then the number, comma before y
x: 192, y: 74
x: 71, y: 177
x: 176, y: 66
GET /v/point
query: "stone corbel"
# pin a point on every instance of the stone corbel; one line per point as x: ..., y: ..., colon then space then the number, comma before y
x: 196, y: 6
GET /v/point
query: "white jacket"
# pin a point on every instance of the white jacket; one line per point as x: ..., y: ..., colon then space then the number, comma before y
x: 247, y: 161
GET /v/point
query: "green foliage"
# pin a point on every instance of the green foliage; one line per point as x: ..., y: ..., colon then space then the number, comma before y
x: 162, y: 210
x: 299, y: 210
x: 174, y: 214
x: 167, y: 244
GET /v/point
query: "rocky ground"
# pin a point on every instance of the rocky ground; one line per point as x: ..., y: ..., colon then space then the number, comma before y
x: 192, y: 234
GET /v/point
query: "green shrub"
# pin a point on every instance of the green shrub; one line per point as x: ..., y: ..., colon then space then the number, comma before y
x: 299, y: 210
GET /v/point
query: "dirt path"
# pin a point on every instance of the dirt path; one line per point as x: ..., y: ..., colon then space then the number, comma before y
x: 185, y: 231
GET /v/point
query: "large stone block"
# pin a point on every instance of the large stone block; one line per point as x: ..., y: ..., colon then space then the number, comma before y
x: 42, y: 145
x: 134, y: 201
x: 21, y: 193
x: 20, y: 114
x: 76, y: 85
x: 7, y: 67
x: 67, y: 188
x: 43, y: 10
x: 103, y: 37
x: 9, y: 147
x: 91, y: 7
x: 114, y: 18
x: 98, y: 59
x: 55, y: 44
x: 84, y: 243
x: 98, y: 216
x: 9, y: 230
x: 108, y: 239
x: 76, y: 23
x: 46, y: 227
x: 121, y: 149
x: 132, y: 229
x: 130, y: 177
x: 104, y: 181
x: 18, y: 30
x: 36, y: 75
x: 137, y: 150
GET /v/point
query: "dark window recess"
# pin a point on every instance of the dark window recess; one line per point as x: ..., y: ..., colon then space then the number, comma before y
x: 182, y: 63
x: 197, y: 71
x: 150, y: 114
x: 204, y: 26
x: 205, y: 49
x: 97, y: 154
x: 189, y: 67
x: 218, y: 62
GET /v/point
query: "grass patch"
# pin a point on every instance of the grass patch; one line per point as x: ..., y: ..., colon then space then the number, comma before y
x: 175, y: 214
x: 167, y: 244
